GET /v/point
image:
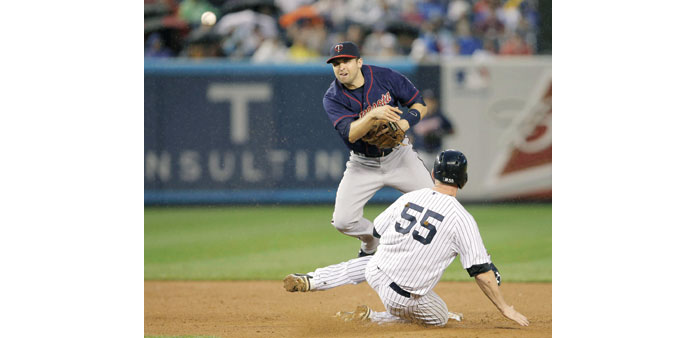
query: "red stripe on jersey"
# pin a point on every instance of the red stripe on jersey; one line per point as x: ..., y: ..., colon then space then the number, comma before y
x: 414, y: 96
x: 351, y: 97
x: 339, y: 119
x: 367, y: 96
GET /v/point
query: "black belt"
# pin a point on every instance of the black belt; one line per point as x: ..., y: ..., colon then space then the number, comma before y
x: 382, y: 153
x: 399, y: 290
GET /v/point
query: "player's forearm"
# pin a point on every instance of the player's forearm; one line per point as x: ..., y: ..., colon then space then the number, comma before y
x: 411, y: 117
x: 359, y: 128
x: 421, y: 108
x: 487, y: 282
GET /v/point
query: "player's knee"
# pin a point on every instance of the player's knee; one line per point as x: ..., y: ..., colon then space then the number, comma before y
x: 344, y: 225
x: 437, y: 321
x: 440, y: 317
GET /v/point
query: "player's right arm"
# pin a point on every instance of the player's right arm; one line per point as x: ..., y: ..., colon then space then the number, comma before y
x: 487, y: 282
x: 346, y: 120
x: 475, y: 259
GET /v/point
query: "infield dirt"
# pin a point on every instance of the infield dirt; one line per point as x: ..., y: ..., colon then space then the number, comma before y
x: 263, y: 309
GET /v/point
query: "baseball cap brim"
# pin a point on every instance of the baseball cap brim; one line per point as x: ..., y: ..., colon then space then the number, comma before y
x: 340, y: 56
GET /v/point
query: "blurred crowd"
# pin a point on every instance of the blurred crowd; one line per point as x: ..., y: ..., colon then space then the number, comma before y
x: 304, y: 30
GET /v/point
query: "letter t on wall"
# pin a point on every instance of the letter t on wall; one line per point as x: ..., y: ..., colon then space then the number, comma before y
x: 239, y: 96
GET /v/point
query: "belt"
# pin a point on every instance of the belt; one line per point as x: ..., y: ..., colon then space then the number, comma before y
x: 382, y: 153
x: 399, y: 290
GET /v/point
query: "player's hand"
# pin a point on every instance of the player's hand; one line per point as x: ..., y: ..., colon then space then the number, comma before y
x: 512, y: 314
x: 386, y: 112
x: 403, y: 124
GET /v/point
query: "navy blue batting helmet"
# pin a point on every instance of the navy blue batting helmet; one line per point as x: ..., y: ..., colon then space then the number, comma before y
x: 450, y: 168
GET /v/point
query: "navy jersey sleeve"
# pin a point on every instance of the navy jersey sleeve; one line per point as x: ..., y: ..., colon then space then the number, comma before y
x: 340, y: 117
x: 406, y: 93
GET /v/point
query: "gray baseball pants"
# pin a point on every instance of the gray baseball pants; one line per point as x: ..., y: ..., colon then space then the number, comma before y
x: 402, y: 169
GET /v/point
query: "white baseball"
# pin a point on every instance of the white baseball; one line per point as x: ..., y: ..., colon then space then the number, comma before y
x: 208, y: 18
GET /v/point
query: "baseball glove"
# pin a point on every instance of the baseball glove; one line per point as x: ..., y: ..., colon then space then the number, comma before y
x: 384, y: 134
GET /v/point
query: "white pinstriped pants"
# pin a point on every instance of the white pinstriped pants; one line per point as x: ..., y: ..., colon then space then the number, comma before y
x: 428, y: 309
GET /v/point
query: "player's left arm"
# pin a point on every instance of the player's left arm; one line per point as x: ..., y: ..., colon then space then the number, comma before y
x: 408, y: 95
x: 416, y: 108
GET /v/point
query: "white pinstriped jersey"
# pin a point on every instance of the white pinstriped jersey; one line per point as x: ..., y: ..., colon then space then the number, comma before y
x: 421, y: 234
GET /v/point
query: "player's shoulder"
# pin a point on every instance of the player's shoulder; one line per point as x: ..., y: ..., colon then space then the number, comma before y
x: 419, y: 195
x: 410, y: 196
x: 332, y: 91
x: 384, y: 71
x: 464, y: 218
x: 416, y: 193
x: 449, y: 203
x: 459, y: 207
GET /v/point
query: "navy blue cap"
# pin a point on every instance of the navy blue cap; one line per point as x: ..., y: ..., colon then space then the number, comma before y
x: 346, y: 49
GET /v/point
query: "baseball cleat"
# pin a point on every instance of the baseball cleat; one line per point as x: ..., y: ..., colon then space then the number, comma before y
x: 362, y: 313
x: 297, y: 282
x: 458, y: 316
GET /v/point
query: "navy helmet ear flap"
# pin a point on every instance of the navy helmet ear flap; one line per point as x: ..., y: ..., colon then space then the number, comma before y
x: 463, y: 182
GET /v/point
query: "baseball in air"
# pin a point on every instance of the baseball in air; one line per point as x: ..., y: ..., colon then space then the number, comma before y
x: 208, y: 18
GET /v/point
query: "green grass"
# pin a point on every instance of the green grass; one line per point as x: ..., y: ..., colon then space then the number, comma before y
x: 247, y: 243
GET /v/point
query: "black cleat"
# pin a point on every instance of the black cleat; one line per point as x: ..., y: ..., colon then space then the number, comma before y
x: 362, y: 253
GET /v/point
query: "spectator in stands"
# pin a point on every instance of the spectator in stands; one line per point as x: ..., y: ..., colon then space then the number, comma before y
x: 457, y: 10
x: 300, y: 50
x: 355, y: 33
x: 380, y: 43
x: 410, y: 13
x: 334, y: 12
x: 243, y: 42
x: 316, y: 36
x: 287, y: 6
x: 432, y: 10
x: 515, y: 45
x: 244, y: 32
x: 203, y: 43
x: 419, y: 29
x: 527, y: 31
x: 425, y: 46
x: 391, y: 10
x: 509, y: 14
x: 364, y: 12
x: 467, y: 42
x: 271, y: 50
x: 491, y: 27
x: 155, y: 47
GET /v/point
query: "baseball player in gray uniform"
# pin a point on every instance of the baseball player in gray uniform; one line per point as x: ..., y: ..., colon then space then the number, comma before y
x: 359, y: 96
x: 420, y: 235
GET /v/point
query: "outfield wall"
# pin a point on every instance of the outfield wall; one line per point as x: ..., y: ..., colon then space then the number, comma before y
x: 218, y: 132
x: 503, y: 111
